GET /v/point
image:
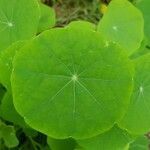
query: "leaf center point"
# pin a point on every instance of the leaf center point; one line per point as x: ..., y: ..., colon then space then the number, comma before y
x: 10, y: 24
x: 74, y: 77
x: 115, y: 28
x: 141, y: 89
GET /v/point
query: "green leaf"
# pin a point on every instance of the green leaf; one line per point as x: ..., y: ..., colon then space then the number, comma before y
x: 8, y: 134
x: 6, y: 59
x: 144, y: 49
x: 47, y: 19
x: 144, y: 6
x: 140, y: 143
x: 66, y: 80
x: 66, y: 144
x: 8, y: 112
x: 81, y: 24
x: 123, y: 23
x: 137, y: 119
x: 18, y: 21
x: 114, y: 139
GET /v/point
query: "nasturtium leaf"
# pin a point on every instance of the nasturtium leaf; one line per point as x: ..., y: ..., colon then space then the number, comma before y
x: 140, y: 143
x: 66, y: 144
x: 144, y: 6
x: 6, y: 59
x: 137, y: 120
x: 122, y: 23
x: 47, y: 19
x: 144, y: 49
x: 8, y: 112
x: 7, y: 133
x: 19, y: 20
x: 67, y: 83
x: 114, y: 139
x: 82, y: 24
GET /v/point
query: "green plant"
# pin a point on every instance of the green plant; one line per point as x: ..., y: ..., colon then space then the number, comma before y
x: 80, y: 73
x: 80, y: 87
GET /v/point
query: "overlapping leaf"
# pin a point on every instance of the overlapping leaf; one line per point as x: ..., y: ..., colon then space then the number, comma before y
x: 144, y: 49
x: 47, y: 19
x: 7, y: 133
x: 122, y: 23
x: 141, y: 143
x: 114, y: 139
x: 82, y: 24
x: 6, y: 59
x: 7, y: 110
x: 144, y: 6
x: 66, y: 83
x: 137, y: 119
x: 18, y: 21
x: 66, y: 144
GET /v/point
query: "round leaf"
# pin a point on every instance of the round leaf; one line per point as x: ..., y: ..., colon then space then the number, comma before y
x: 74, y: 87
x: 82, y: 24
x: 140, y: 143
x: 18, y: 21
x: 137, y: 119
x: 114, y: 139
x: 6, y: 59
x: 8, y: 112
x: 8, y: 134
x: 66, y: 144
x: 123, y: 23
x: 144, y: 49
x: 144, y: 6
x: 47, y: 19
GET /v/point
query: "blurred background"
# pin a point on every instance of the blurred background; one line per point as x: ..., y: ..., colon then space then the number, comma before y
x: 69, y: 10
